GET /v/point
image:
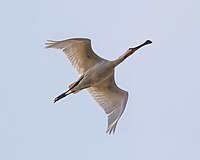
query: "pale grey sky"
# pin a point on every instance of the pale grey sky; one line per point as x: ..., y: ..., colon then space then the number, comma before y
x: 161, y: 120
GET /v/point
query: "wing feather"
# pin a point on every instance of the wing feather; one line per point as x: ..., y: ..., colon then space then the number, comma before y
x: 112, y: 99
x: 78, y: 51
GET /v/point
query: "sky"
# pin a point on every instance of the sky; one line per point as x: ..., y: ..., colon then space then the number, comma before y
x: 161, y: 119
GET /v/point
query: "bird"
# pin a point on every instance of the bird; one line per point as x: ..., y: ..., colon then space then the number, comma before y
x: 96, y: 75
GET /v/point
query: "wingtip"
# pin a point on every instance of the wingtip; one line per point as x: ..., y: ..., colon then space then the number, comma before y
x: 49, y: 43
x: 110, y: 130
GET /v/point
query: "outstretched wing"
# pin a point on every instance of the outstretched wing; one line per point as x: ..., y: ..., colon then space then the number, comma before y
x: 112, y: 99
x: 78, y: 51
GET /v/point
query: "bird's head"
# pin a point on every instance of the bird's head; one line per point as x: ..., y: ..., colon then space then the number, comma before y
x: 132, y: 50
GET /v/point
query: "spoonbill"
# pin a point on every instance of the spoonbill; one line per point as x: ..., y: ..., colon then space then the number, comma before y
x: 96, y: 75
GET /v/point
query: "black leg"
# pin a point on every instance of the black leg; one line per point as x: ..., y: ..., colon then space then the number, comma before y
x: 66, y: 93
x: 62, y: 96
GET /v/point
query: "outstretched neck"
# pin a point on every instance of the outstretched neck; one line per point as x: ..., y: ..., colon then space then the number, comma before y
x: 120, y: 59
x: 129, y: 52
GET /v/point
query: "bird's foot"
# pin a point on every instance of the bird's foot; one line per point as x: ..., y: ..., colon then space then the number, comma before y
x: 59, y: 97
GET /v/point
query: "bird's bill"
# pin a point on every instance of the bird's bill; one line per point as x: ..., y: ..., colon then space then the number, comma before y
x: 132, y: 50
x: 141, y: 45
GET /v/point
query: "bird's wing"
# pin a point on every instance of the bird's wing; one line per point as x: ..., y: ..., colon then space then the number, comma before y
x: 112, y: 99
x: 78, y: 51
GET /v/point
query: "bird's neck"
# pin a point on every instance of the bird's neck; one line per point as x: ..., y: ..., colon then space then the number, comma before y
x: 121, y: 58
x: 129, y: 52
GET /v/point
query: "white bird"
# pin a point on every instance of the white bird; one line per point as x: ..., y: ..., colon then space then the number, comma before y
x: 96, y: 75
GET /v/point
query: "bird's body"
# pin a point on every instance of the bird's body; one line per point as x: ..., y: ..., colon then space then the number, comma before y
x: 96, y: 75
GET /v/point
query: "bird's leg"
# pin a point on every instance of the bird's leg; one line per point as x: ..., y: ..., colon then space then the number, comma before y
x: 62, y: 95
x: 67, y: 92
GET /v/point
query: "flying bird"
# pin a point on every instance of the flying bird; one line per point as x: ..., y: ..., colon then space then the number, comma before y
x: 96, y: 75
